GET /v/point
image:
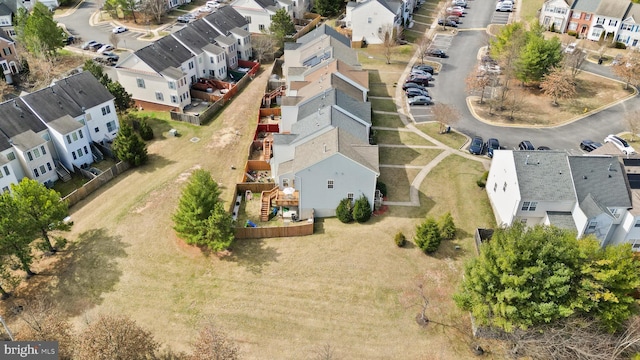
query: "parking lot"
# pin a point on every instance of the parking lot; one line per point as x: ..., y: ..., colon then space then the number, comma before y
x: 500, y: 18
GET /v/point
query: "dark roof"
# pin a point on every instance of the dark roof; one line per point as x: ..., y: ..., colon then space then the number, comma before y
x: 5, y: 36
x: 164, y: 53
x: 17, y: 118
x: 324, y: 30
x: 543, y: 175
x: 52, y: 103
x: 225, y: 19
x: 5, y: 10
x: 12, y: 5
x: 601, y: 177
x: 266, y: 3
x: 4, y: 145
x: 85, y: 90
x: 589, y: 6
x: 196, y: 35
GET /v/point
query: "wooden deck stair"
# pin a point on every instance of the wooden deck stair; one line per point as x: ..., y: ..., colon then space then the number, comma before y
x: 266, y: 197
x: 267, y: 98
x: 267, y: 144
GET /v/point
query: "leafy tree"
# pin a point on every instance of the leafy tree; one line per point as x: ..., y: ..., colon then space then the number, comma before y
x: 428, y: 235
x: 282, y: 26
x: 123, y: 100
x: 344, y: 211
x: 558, y: 84
x: 447, y: 227
x: 213, y: 344
x: 97, y: 71
x: 511, y: 36
x: 146, y: 132
x: 16, y: 233
x: 128, y: 146
x: 218, y: 234
x: 362, y: 209
x: 400, y: 239
x: 37, y: 30
x: 327, y: 7
x: 8, y: 281
x: 538, y: 57
x: 42, y: 206
x: 525, y: 277
x: 111, y: 337
x: 423, y: 46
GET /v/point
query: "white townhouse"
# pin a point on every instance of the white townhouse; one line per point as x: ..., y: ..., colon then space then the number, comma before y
x: 258, y: 13
x: 555, y: 14
x: 608, y: 19
x: 629, y: 33
x: 228, y: 22
x: 587, y: 194
x: 210, y: 59
x: 175, y: 3
x: 370, y: 19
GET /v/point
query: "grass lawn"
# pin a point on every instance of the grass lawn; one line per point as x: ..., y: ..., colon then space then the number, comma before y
x: 383, y: 105
x: 529, y: 9
x: 452, y: 139
x: 407, y: 156
x: 399, y: 138
x: 399, y: 181
x: 387, y: 120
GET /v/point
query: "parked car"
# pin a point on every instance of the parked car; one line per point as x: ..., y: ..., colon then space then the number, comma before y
x: 504, y: 6
x: 589, y: 146
x: 95, y: 46
x: 436, y: 52
x: 418, y: 72
x: 88, y: 44
x: 111, y: 55
x: 205, y: 10
x: 410, y: 85
x: 213, y: 4
x: 425, y: 68
x: 70, y: 40
x: 119, y: 29
x: 420, y: 100
x: 455, y: 12
x: 461, y: 3
x: 621, y: 144
x: 185, y: 19
x: 477, y: 145
x: 413, y: 92
x: 571, y: 48
x: 418, y: 80
x: 453, y: 18
x: 526, y: 145
x: 543, y: 148
x: 105, y: 47
x: 449, y: 23
x: 492, y: 144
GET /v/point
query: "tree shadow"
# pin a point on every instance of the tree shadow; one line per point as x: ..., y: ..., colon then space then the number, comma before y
x: 449, y: 249
x: 253, y: 254
x: 155, y: 162
x: 86, y: 270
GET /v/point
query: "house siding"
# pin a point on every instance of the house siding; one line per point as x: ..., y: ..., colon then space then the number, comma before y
x: 366, y: 19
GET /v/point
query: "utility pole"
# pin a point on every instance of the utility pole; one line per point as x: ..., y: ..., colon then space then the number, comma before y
x: 6, y: 328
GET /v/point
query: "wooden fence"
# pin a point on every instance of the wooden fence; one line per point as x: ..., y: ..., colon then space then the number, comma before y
x: 313, y: 19
x: 94, y: 184
x: 302, y: 228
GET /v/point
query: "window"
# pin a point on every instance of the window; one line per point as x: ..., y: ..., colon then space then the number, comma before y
x: 587, y: 16
x: 600, y: 21
x: 615, y: 212
x: 285, y: 182
x: 49, y: 166
x: 636, y: 245
x: 592, y: 226
x: 6, y: 51
x: 172, y: 85
x: 5, y: 189
x: 529, y: 205
x: 74, y: 136
x: 36, y: 153
x: 369, y: 20
x: 140, y: 83
x: 239, y: 42
x: 11, y: 156
x: 111, y: 126
x: 43, y: 170
x: 637, y: 224
x: 626, y: 27
x: 174, y: 99
x: 6, y: 170
x: 86, y: 151
x: 573, y: 26
x: 96, y: 130
x: 29, y: 156
x: 613, y: 22
x: 495, y: 187
x: 87, y: 116
x: 73, y: 153
x: 81, y: 121
x: 44, y: 152
x: 106, y: 110
x: 68, y: 139
x: 80, y: 133
x: 504, y: 187
x: 193, y: 79
x: 159, y: 96
x: 248, y: 18
x: 261, y: 27
x: 576, y: 15
x: 80, y: 152
x: 523, y: 221
x: 329, y: 184
x: 35, y: 172
x: 1, y: 176
x: 350, y: 196
x: 190, y: 65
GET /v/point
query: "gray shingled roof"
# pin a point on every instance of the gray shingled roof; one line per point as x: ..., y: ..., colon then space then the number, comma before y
x: 85, y: 90
x: 17, y: 118
x: 6, y: 37
x: 5, y: 10
x: 543, y: 175
x: 164, y: 53
x: 172, y: 73
x: 562, y: 220
x: 333, y: 96
x: 329, y: 116
x: 601, y: 177
x: 195, y: 35
x: 214, y: 49
x: 634, y: 12
x: 52, y: 103
x: 283, y: 139
x: 613, y: 8
x: 588, y: 6
x: 592, y: 208
x: 240, y: 32
x: 225, y: 40
x: 266, y: 3
x: 333, y: 142
x: 226, y: 18
x: 12, y: 5
x: 27, y: 140
x: 324, y: 30
x: 65, y: 124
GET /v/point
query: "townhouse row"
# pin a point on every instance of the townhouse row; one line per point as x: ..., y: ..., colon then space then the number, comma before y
x: 593, y: 19
x: 49, y: 131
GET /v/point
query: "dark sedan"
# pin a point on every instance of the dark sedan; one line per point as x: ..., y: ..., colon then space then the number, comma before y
x: 476, y: 146
x: 425, y: 68
x: 411, y: 85
x: 589, y: 146
x: 418, y: 80
x: 492, y: 144
x: 436, y: 52
x: 417, y: 92
x: 449, y: 23
x: 526, y: 145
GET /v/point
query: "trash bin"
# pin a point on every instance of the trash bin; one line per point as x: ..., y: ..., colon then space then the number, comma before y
x: 600, y: 61
x: 448, y: 130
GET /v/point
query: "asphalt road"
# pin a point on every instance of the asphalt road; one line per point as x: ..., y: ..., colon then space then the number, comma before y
x: 450, y: 88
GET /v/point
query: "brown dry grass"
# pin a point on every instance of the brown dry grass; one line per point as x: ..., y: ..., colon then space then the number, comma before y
x: 398, y: 181
x: 537, y: 109
x: 407, y: 155
x: 399, y: 138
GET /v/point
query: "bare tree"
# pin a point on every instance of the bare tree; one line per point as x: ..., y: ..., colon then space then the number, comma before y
x: 262, y: 46
x: 575, y: 60
x: 213, y: 344
x: 111, y: 337
x: 155, y: 9
x: 515, y: 101
x: 388, y: 35
x: 477, y: 81
x: 633, y: 120
x: 558, y: 84
x: 114, y: 39
x: 326, y: 352
x: 445, y: 114
x: 628, y: 69
x: 423, y: 46
x: 41, y: 69
x: 5, y: 89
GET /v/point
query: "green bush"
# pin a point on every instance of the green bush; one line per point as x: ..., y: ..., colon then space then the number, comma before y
x: 482, y: 182
x: 572, y: 33
x: 447, y: 227
x: 362, y: 209
x: 382, y: 187
x: 428, y: 236
x: 344, y: 211
x: 145, y: 130
x: 400, y: 239
x: 619, y: 45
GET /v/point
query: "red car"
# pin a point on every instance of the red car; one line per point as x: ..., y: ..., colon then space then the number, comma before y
x: 455, y: 12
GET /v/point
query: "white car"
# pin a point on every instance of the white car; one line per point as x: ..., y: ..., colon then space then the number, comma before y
x: 620, y: 144
x: 504, y: 6
x: 119, y: 29
x: 205, y: 10
x: 213, y: 4
x: 106, y: 47
x: 571, y: 48
x: 461, y: 3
